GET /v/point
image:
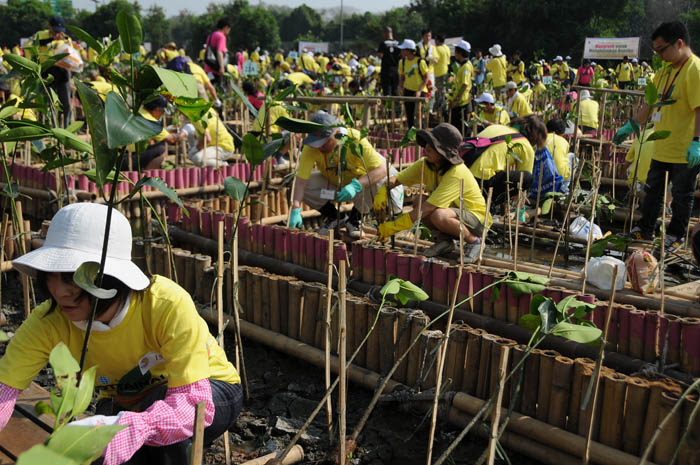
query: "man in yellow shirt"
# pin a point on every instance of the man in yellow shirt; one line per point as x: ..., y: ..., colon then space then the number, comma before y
x: 441, y: 71
x: 443, y: 174
x: 413, y: 77
x: 624, y: 74
x: 559, y: 147
x: 679, y: 154
x: 497, y: 66
x: 214, y: 145
x: 516, y: 104
x: 323, y: 178
x: 492, y: 112
x: 460, y: 98
x: 428, y: 52
x: 589, y: 112
x: 516, y: 68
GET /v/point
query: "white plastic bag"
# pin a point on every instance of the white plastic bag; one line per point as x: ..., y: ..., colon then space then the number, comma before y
x: 580, y: 226
x: 600, y: 270
x: 73, y: 61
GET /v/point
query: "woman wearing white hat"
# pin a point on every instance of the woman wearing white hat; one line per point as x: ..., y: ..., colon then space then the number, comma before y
x: 498, y: 68
x: 154, y: 354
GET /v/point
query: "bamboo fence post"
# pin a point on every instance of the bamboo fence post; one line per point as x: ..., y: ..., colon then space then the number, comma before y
x: 510, y: 226
x: 590, y: 233
x: 420, y: 208
x: 236, y: 281
x: 663, y: 246
x: 517, y: 221
x: 198, y: 434
x: 237, y: 319
x: 495, y: 419
x: 220, y: 312
x: 486, y: 227
x: 595, y: 379
x: 342, y: 355
x: 329, y: 298
x: 537, y: 214
x: 461, y: 231
x: 23, y: 248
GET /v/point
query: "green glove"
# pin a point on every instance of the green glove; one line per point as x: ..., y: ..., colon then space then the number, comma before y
x: 349, y: 192
x: 623, y: 133
x: 295, y: 218
x: 693, y: 154
x: 390, y: 228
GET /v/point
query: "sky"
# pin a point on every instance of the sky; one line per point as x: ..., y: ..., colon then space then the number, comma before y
x: 173, y: 7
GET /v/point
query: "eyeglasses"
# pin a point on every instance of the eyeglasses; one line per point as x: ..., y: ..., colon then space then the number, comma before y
x: 662, y: 49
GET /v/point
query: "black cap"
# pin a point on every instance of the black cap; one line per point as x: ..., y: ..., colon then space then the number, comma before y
x: 445, y: 139
x: 57, y: 24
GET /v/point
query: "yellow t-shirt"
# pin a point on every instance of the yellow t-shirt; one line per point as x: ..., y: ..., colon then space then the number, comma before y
x: 24, y: 113
x: 103, y: 88
x: 499, y: 116
x: 414, y: 72
x: 624, y: 72
x: 497, y: 66
x: 443, y: 189
x: 679, y: 117
x: 322, y: 63
x: 355, y: 166
x: 494, y: 158
x: 644, y: 160
x: 300, y: 79
x: 429, y: 54
x: 161, y: 323
x: 221, y: 138
x: 559, y: 148
x: 589, y: 113
x: 443, y: 64
x: 232, y: 70
x: 563, y: 71
x: 276, y: 112
x: 538, y: 89
x: 520, y: 107
x: 307, y: 63
x: 198, y: 73
x: 517, y: 72
x: 463, y: 79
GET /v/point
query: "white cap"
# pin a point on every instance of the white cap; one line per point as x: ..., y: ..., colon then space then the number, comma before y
x: 485, y: 98
x: 510, y: 85
x: 593, y: 63
x: 568, y: 57
x: 495, y: 50
x: 558, y: 58
x: 407, y: 44
x: 464, y: 45
x: 634, y: 60
x: 76, y: 236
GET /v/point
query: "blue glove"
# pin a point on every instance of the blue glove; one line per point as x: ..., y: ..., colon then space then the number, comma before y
x: 623, y: 133
x: 350, y: 191
x: 295, y: 218
x: 693, y: 154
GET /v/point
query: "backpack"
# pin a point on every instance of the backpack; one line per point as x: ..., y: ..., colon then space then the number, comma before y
x: 211, y: 58
x: 551, y: 179
x: 471, y: 148
x: 179, y: 64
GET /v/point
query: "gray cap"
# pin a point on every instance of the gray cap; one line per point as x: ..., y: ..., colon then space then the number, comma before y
x: 318, y: 138
x: 445, y: 139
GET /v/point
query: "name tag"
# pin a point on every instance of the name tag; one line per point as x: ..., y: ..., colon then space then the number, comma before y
x: 327, y: 194
x: 546, y: 80
x: 656, y: 117
x: 642, y: 81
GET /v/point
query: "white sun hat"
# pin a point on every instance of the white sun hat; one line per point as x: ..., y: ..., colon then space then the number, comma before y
x: 464, y: 45
x: 76, y: 236
x: 495, y: 50
x: 485, y: 98
x: 407, y: 44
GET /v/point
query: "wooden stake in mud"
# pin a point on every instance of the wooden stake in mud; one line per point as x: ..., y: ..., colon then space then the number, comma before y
x: 486, y: 227
x: 495, y: 419
x: 663, y: 247
x: 220, y: 314
x: 461, y: 230
x: 23, y: 247
x: 342, y: 356
x: 510, y: 227
x: 329, y: 299
x: 595, y: 379
x: 420, y: 208
x: 537, y: 215
x: 240, y: 362
x: 517, y: 220
x: 198, y: 434
x: 590, y: 232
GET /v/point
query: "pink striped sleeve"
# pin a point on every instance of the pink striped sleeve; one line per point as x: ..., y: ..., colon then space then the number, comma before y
x: 165, y: 422
x: 8, y: 397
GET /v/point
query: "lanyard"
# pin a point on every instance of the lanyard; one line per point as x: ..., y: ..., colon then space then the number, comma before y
x: 670, y: 86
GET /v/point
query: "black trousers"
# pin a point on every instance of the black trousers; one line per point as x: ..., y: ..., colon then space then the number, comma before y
x: 683, y: 181
x: 152, y: 152
x: 61, y: 85
x: 458, y: 115
x: 410, y: 108
x: 390, y: 82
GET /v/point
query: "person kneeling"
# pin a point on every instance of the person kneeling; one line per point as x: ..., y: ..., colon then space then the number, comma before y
x: 443, y: 174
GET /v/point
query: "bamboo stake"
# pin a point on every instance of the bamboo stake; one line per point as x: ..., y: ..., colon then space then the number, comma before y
x: 663, y: 247
x: 198, y: 434
x: 237, y: 320
x: 420, y: 208
x: 329, y: 298
x: 595, y: 379
x: 495, y: 419
x: 537, y: 214
x: 510, y: 227
x: 486, y: 227
x: 236, y: 281
x: 220, y: 311
x: 590, y: 233
x: 517, y: 220
x: 461, y: 230
x: 23, y: 247
x: 342, y: 355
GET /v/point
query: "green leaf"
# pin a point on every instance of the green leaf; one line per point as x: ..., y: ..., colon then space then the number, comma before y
x: 106, y: 58
x: 80, y: 34
x: 410, y: 291
x: 43, y: 408
x: 193, y: 108
x: 21, y: 64
x: 105, y: 158
x: 83, y: 443
x: 69, y: 139
x: 109, y: 177
x: 531, y: 322
x: 69, y: 391
x: 521, y: 287
x: 165, y: 189
x: 531, y: 277
x: 663, y: 103
x: 52, y: 60
x: 23, y: 133
x: 298, y: 125
x: 57, y: 163
x: 41, y: 454
x: 253, y: 111
x: 235, y: 188
x: 125, y: 127
x: 598, y: 247
x: 8, y: 111
x: 571, y: 302
x: 179, y: 84
x: 84, y: 277
x: 253, y: 150
x: 273, y: 147
x: 285, y: 93
x: 130, y: 31
x: 75, y: 126
x: 3, y: 336
x: 347, y: 115
x: 535, y: 302
x: 62, y: 361
x: 548, y: 315
x: 658, y: 135
x: 547, y: 206
x: 651, y: 94
x: 393, y: 286
x: 578, y: 333
x: 11, y: 190
x: 85, y: 389
x: 409, y: 137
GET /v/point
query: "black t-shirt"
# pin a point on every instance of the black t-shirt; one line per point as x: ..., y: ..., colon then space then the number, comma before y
x: 390, y: 55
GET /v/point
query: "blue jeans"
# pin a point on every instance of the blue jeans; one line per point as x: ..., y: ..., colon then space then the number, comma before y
x: 228, y: 400
x: 683, y: 180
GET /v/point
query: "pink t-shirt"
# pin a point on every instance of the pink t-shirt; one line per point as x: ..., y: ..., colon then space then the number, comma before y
x: 585, y: 75
x: 217, y: 41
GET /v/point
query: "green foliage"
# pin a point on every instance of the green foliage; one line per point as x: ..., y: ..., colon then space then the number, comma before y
x: 103, y: 21
x: 402, y: 291
x: 156, y: 27
x: 23, y: 18
x: 85, y: 276
x: 525, y: 283
x: 123, y: 126
x: 130, y: 31
x: 408, y: 138
x: 235, y: 188
x: 564, y: 319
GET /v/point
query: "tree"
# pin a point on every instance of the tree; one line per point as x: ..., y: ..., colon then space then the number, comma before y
x: 156, y: 27
x: 103, y: 22
x: 23, y: 18
x: 252, y: 27
x: 301, y: 20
